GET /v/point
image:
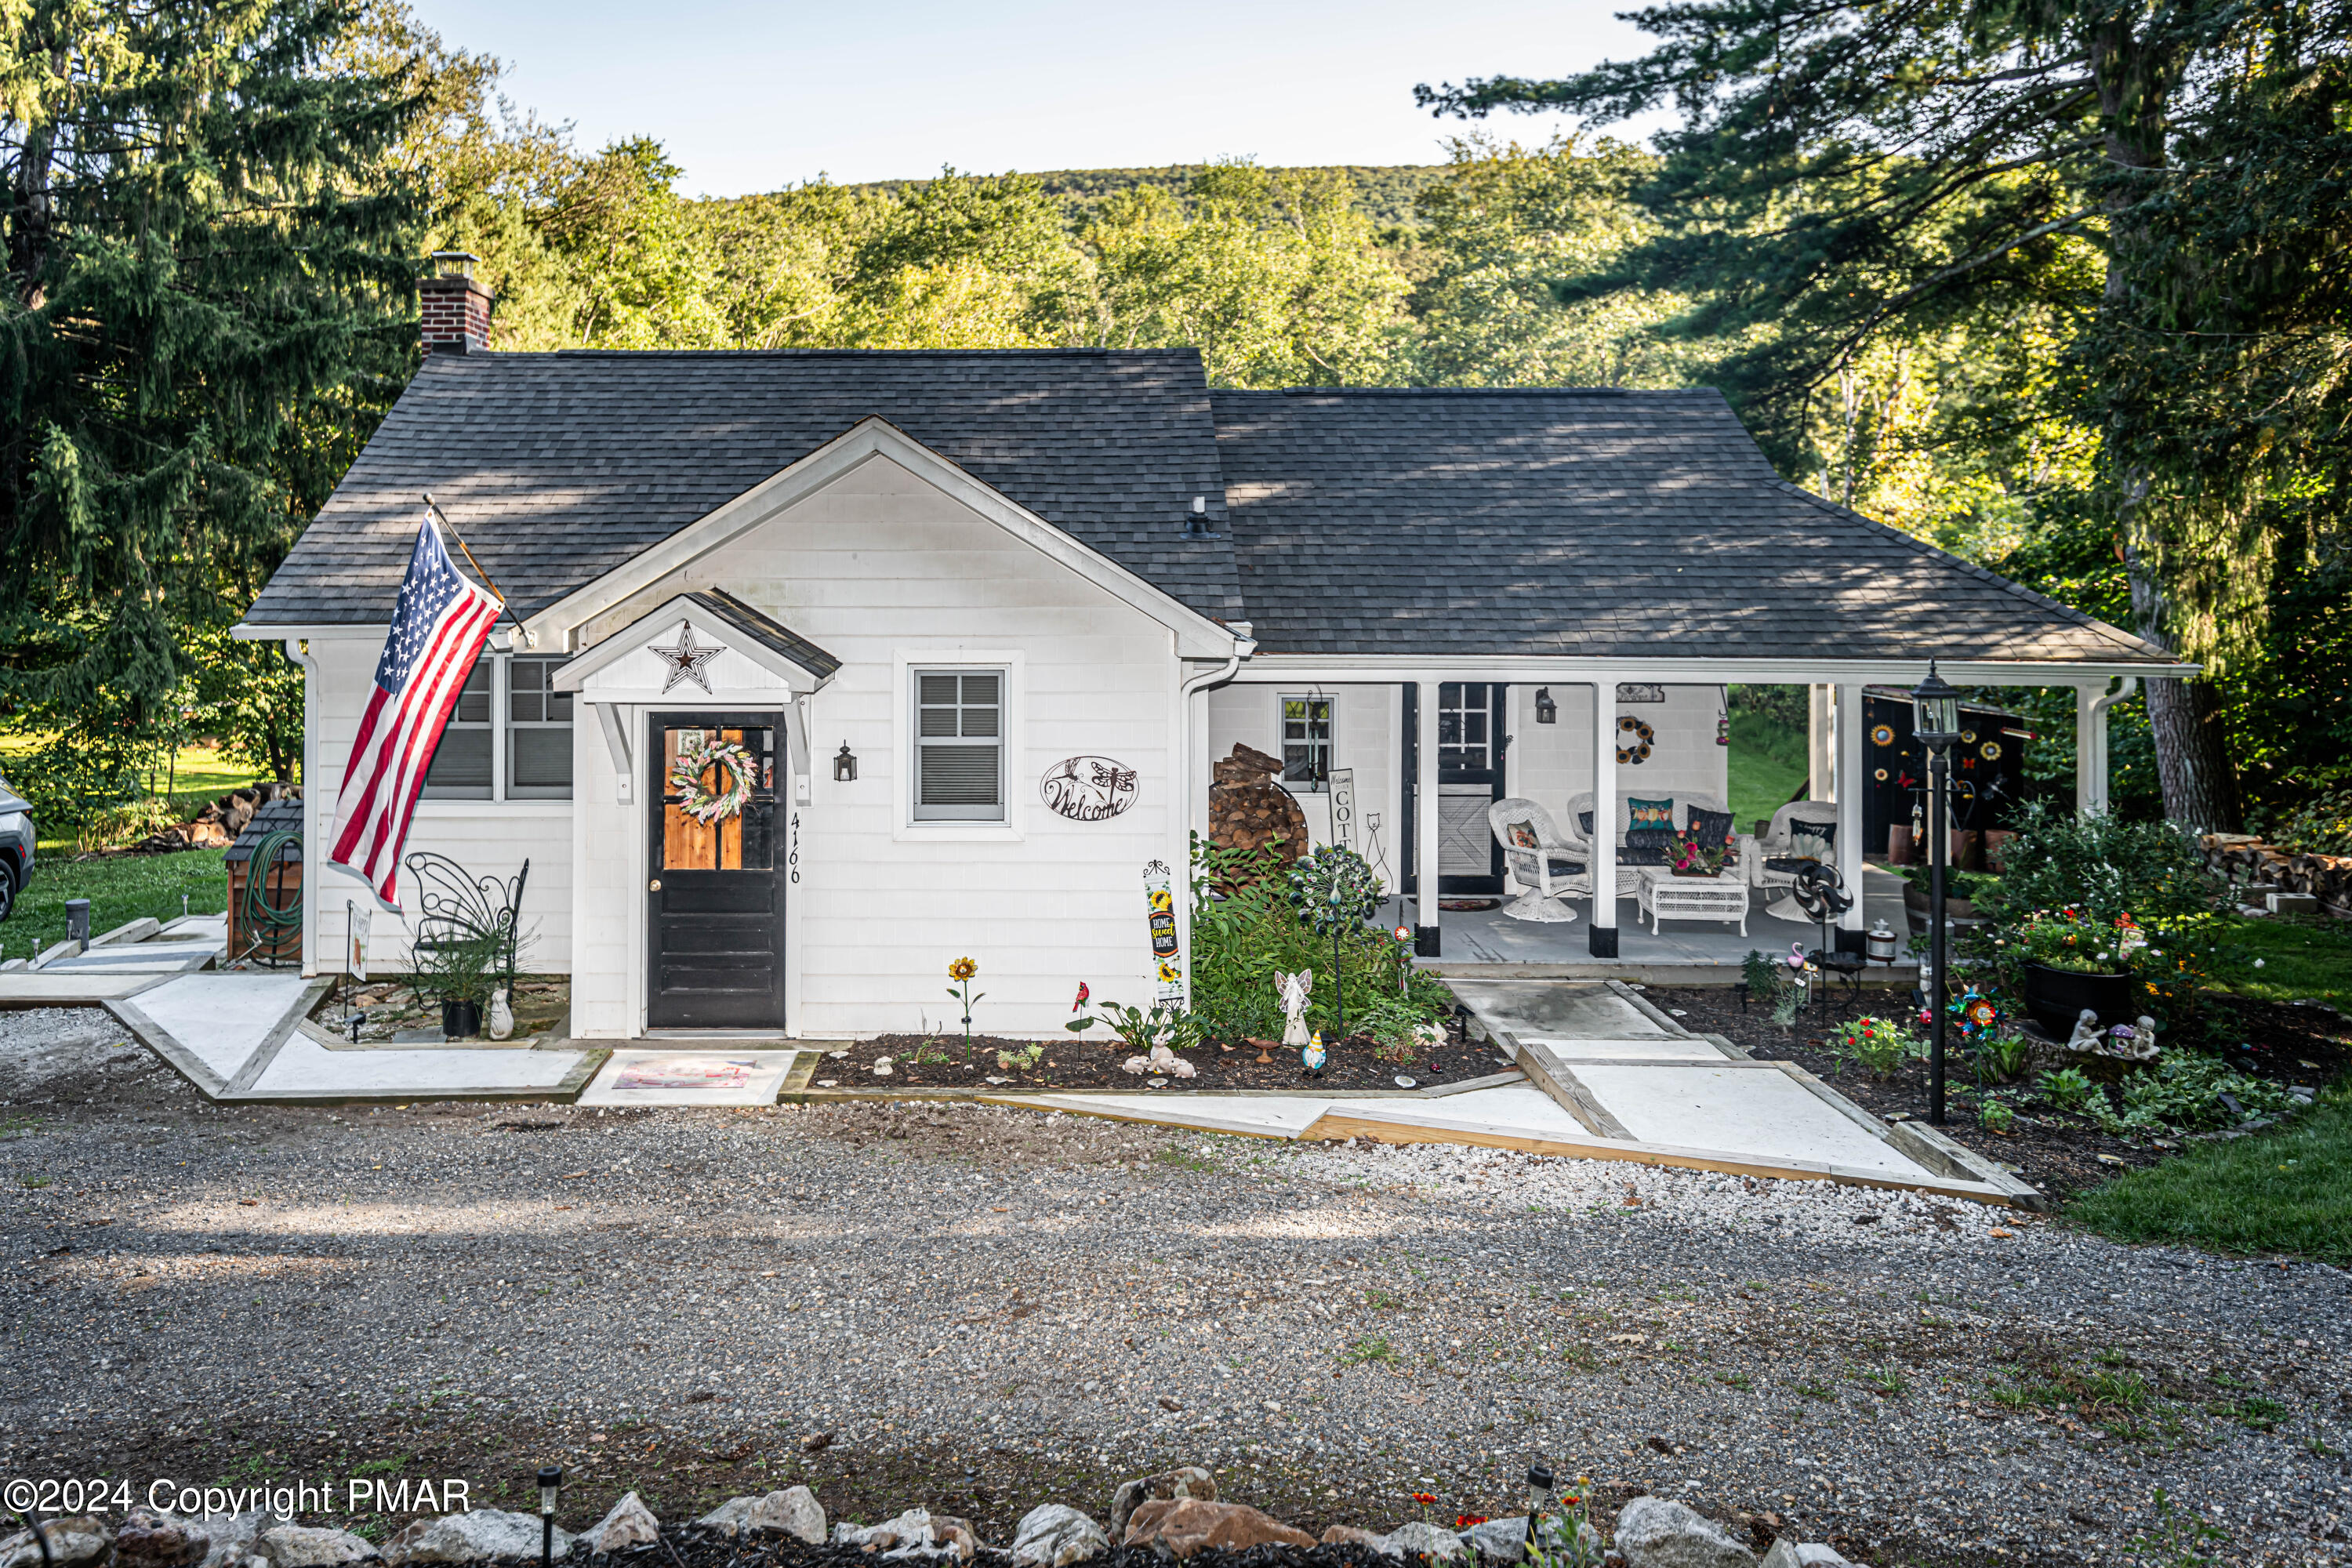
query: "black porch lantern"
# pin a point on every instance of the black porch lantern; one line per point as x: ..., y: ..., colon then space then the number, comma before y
x: 1936, y: 721
x: 845, y: 765
x: 1547, y: 710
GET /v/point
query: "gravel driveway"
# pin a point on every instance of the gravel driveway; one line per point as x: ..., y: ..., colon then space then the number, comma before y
x: 986, y: 1308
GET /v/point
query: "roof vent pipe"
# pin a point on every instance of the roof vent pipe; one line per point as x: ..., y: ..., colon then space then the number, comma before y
x: 1198, y: 523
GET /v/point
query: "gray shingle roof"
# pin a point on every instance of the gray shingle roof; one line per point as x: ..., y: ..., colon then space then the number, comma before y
x: 1585, y: 523
x: 766, y: 630
x: 1435, y: 520
x: 559, y: 468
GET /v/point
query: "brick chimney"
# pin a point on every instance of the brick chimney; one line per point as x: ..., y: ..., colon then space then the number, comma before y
x: 457, y: 309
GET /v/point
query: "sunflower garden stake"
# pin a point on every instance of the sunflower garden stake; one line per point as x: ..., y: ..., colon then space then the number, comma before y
x: 961, y: 972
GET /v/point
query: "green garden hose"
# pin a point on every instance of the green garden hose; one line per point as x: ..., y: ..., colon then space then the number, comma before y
x: 264, y: 923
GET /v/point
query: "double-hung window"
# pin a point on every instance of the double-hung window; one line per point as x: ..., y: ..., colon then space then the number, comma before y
x: 1307, y: 742
x: 509, y: 713
x: 959, y: 745
x: 461, y: 763
x: 539, y: 732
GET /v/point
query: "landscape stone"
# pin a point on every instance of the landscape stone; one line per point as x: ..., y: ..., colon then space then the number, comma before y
x: 1180, y: 1527
x: 482, y: 1534
x: 1054, y: 1535
x: 911, y: 1534
x: 1168, y: 1486
x: 1349, y: 1535
x: 76, y: 1538
x: 306, y: 1546
x: 234, y: 1537
x: 1652, y: 1532
x: 1786, y: 1553
x: 794, y: 1511
x: 1419, y: 1538
x: 151, y: 1540
x: 631, y: 1523
x: 1501, y: 1539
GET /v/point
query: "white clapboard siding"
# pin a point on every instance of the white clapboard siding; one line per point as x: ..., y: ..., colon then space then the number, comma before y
x: 878, y: 566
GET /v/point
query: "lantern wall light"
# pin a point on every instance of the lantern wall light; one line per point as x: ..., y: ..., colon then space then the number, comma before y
x: 845, y: 765
x: 1547, y: 710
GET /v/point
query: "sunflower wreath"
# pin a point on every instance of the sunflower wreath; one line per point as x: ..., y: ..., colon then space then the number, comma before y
x: 705, y: 805
x: 1639, y: 752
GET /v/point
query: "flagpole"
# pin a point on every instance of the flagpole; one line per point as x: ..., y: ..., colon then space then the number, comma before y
x: 433, y: 507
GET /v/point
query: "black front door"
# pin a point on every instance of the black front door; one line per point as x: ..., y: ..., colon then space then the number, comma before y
x: 715, y: 898
x: 1470, y: 742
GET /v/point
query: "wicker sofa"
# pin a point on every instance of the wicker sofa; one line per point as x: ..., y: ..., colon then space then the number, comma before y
x: 1577, y: 843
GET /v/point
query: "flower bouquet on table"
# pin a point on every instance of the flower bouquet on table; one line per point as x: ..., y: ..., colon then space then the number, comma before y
x: 1690, y: 856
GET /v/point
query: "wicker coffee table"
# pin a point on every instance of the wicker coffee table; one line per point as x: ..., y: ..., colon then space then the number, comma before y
x: 1663, y: 895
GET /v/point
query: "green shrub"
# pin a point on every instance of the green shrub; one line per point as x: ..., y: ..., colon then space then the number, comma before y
x: 2069, y: 1089
x: 1878, y: 1045
x: 2153, y: 871
x: 2320, y: 826
x: 2182, y: 1093
x: 1245, y: 935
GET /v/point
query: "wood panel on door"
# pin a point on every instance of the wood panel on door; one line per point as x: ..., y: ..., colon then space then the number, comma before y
x: 715, y: 889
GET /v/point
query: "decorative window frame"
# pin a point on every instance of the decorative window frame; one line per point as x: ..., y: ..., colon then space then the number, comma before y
x: 905, y: 765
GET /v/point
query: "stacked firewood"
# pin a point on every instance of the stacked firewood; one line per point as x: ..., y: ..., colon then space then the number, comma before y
x: 1247, y: 808
x: 219, y: 824
x: 2246, y: 861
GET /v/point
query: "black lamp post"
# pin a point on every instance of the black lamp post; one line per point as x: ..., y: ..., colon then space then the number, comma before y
x: 551, y: 1482
x: 1936, y: 721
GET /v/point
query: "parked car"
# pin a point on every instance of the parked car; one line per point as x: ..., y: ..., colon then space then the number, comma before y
x: 15, y: 846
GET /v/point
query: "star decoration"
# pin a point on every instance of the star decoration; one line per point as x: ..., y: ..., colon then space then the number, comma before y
x: 686, y: 660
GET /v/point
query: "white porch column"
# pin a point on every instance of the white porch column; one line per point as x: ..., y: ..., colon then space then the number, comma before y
x: 1426, y: 935
x: 2091, y: 705
x: 1849, y: 792
x: 1601, y: 938
x: 1821, y: 756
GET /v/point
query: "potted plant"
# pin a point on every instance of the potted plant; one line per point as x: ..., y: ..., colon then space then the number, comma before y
x: 462, y: 972
x: 1688, y: 856
x: 2069, y: 962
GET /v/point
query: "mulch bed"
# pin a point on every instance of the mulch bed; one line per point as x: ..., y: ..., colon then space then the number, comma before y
x: 1096, y: 1061
x: 2062, y: 1154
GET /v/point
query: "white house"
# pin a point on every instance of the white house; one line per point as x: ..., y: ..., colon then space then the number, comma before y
x: 982, y: 621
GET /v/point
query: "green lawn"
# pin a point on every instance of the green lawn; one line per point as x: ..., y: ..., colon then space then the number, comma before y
x: 2299, y: 958
x: 201, y: 774
x: 2283, y: 1192
x: 120, y: 888
x: 1768, y: 764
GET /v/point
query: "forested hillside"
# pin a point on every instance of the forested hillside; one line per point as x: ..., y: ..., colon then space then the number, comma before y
x: 1988, y: 377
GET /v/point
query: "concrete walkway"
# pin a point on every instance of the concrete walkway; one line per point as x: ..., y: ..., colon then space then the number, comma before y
x: 247, y: 1035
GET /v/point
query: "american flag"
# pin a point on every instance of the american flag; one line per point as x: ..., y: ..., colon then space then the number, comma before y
x: 437, y: 632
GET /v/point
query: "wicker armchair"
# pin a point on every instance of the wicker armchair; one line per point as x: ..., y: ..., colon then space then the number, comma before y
x: 1770, y: 863
x: 1546, y: 872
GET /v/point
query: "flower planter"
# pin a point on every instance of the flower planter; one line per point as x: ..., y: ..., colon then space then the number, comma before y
x: 460, y: 1019
x: 2056, y: 997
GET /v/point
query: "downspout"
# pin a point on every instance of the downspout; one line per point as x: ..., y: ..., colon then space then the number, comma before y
x: 313, y: 851
x: 1245, y: 645
x: 2125, y: 686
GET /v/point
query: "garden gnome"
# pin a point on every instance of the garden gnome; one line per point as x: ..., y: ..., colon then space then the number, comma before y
x: 1293, y: 989
x: 1312, y: 1056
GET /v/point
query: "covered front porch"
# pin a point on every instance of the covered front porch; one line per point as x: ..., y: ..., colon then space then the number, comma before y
x: 1431, y: 772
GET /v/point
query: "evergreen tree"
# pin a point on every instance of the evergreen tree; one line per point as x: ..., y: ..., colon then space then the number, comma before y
x: 206, y: 309
x: 1850, y: 171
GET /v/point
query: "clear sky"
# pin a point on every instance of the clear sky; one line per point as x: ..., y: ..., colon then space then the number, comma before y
x: 751, y: 97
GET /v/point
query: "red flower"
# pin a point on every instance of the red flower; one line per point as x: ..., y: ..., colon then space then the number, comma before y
x: 1465, y: 1520
x: 1425, y: 1498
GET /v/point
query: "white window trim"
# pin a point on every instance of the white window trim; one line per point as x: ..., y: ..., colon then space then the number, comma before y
x: 1331, y: 751
x: 1018, y: 771
x: 501, y: 728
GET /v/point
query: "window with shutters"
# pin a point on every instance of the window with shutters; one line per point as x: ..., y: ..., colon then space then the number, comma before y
x: 959, y: 745
x: 461, y: 762
x: 539, y: 732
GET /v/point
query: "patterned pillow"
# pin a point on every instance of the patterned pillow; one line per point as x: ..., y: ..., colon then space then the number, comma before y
x: 1645, y: 846
x: 1812, y: 840
x: 1649, y: 814
x: 1523, y: 836
x: 1709, y: 828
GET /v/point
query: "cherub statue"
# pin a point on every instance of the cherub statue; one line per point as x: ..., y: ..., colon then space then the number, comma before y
x: 1293, y: 989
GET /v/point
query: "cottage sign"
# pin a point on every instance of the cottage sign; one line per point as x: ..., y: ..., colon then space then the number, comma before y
x: 1087, y: 789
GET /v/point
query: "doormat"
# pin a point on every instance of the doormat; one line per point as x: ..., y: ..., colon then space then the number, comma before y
x: 689, y: 1078
x: 1466, y: 906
